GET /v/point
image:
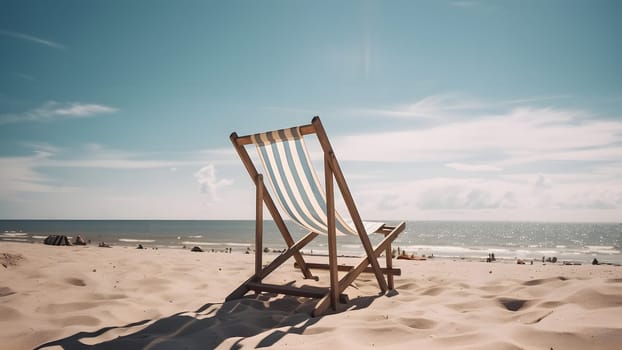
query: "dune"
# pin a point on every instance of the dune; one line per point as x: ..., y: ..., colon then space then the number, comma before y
x: 87, y: 297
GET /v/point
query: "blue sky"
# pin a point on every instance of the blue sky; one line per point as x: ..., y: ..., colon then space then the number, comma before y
x: 437, y: 110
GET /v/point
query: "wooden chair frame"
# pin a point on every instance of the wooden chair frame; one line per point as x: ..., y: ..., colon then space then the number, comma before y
x: 331, y: 296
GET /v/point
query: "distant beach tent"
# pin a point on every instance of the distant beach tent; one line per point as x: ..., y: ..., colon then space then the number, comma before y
x: 56, y: 240
x: 294, y: 186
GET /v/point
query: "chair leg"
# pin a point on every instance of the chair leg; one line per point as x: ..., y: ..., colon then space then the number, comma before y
x: 259, y: 226
x: 389, y: 259
x: 278, y: 261
x: 346, y: 280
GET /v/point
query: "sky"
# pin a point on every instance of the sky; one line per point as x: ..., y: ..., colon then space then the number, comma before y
x: 437, y: 110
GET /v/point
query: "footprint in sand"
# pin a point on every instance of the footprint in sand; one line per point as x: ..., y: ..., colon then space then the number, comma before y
x: 544, y: 280
x: 417, y: 323
x: 434, y: 291
x: 5, y: 291
x: 75, y: 282
x: 513, y: 304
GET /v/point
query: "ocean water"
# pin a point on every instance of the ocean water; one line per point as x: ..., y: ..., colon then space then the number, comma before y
x: 575, y: 242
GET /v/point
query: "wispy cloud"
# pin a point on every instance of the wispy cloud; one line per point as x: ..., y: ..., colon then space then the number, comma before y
x: 450, y: 106
x: 534, y: 99
x: 31, y: 173
x: 52, y: 110
x: 210, y: 183
x: 520, y: 134
x: 95, y: 155
x: 429, y: 107
x: 514, y: 160
x: 527, y: 197
x: 19, y: 174
x: 31, y: 38
x: 473, y: 167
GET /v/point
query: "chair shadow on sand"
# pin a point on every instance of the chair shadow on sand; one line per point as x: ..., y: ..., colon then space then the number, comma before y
x: 211, y: 325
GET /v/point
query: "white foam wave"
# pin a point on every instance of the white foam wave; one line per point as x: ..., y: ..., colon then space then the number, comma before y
x: 197, y: 236
x: 13, y: 234
x: 451, y: 249
x: 198, y: 243
x: 602, y: 249
x: 14, y: 239
x: 132, y: 240
x: 228, y: 244
x: 352, y: 246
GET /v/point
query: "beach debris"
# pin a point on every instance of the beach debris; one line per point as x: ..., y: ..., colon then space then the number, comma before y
x: 104, y: 245
x: 79, y: 240
x: 56, y: 240
x: 6, y: 291
x: 196, y: 249
x: 8, y: 259
x: 405, y: 256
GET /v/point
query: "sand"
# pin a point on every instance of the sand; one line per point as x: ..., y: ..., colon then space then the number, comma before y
x: 123, y: 298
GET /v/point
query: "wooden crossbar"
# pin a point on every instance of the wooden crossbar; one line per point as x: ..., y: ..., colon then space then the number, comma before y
x: 320, y: 266
x: 346, y: 280
x: 304, y: 291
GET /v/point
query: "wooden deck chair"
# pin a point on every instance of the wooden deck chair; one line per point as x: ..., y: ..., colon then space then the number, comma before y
x: 298, y: 192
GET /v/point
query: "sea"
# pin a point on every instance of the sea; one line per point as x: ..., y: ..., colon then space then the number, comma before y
x: 567, y: 242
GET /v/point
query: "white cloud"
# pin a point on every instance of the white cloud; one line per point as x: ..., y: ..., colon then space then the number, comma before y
x: 534, y: 197
x: 522, y: 163
x: 53, y: 110
x: 19, y: 174
x: 210, y: 184
x: 32, y: 38
x: 522, y: 134
x: 30, y: 173
x: 430, y: 107
x: 443, y: 107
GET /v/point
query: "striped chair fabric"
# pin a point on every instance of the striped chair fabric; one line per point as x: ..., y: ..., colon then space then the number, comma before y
x: 290, y: 174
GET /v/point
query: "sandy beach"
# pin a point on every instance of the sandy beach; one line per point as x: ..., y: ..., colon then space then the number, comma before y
x: 124, y: 298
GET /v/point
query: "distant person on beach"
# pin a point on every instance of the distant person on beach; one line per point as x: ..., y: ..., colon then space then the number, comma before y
x: 79, y: 240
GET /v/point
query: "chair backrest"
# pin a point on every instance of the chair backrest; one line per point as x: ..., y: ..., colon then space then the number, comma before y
x: 290, y: 173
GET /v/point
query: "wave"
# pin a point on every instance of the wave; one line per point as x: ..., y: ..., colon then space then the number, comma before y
x: 132, y: 240
x: 602, y: 249
x: 13, y: 234
x: 13, y: 239
x: 228, y: 244
x: 352, y: 246
x: 197, y: 236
